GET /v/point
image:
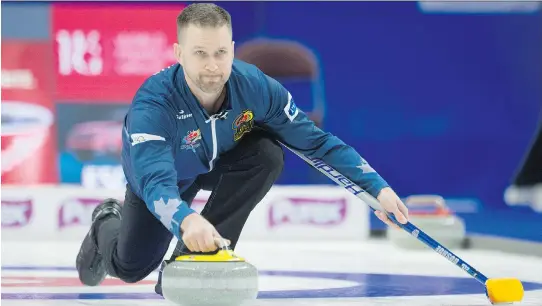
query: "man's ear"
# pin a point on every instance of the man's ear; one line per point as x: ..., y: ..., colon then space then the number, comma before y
x: 177, y: 52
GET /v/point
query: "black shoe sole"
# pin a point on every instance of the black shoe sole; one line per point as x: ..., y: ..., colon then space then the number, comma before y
x: 89, y: 263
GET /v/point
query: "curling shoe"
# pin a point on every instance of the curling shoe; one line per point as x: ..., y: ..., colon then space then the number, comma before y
x: 158, y: 286
x: 90, y: 266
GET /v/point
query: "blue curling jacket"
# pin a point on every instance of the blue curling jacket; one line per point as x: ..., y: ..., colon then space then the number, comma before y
x: 169, y: 138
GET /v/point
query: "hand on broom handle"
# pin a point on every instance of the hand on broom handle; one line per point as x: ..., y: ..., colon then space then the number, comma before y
x: 498, y: 290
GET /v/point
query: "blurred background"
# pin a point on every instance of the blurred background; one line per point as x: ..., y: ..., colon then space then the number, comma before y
x: 440, y: 98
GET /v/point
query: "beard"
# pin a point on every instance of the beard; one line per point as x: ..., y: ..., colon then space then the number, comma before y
x: 210, y: 84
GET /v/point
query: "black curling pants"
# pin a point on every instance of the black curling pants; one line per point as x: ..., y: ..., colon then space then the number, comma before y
x: 136, y: 245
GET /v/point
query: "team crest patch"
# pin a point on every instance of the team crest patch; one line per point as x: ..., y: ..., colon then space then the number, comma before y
x: 190, y: 141
x: 243, y: 124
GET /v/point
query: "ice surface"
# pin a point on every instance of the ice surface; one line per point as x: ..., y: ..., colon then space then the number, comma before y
x: 296, y: 273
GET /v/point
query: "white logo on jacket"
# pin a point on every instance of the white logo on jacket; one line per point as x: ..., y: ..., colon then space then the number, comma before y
x: 166, y: 211
x: 143, y: 137
x: 291, y: 109
x: 181, y: 115
x: 365, y: 167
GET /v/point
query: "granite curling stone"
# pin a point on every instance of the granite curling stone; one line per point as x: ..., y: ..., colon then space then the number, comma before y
x: 431, y: 214
x: 221, y: 279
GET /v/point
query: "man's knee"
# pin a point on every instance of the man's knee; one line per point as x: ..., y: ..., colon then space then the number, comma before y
x: 132, y: 278
x: 133, y: 275
x: 134, y: 268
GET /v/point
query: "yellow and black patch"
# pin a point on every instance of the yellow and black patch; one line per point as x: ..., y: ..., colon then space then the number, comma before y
x: 243, y: 124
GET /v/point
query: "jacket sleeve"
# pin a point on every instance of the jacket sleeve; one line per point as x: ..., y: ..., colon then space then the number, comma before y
x: 293, y: 127
x: 151, y: 133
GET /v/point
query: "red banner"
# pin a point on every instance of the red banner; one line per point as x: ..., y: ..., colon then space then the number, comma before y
x: 104, y: 52
x: 28, y: 139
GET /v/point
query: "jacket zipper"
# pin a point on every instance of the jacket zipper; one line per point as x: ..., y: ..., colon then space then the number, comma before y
x: 213, y: 119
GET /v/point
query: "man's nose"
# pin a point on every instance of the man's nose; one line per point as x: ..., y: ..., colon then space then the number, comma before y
x: 211, y: 66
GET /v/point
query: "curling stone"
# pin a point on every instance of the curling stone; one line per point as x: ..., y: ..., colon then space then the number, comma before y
x: 221, y: 279
x: 431, y: 215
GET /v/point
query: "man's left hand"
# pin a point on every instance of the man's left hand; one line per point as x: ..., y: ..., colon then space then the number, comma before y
x: 391, y: 203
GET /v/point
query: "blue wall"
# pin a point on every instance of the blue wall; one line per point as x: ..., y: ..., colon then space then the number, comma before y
x: 438, y: 103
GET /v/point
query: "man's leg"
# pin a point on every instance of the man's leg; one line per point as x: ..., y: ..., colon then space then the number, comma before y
x: 134, y: 247
x: 128, y: 245
x: 239, y: 181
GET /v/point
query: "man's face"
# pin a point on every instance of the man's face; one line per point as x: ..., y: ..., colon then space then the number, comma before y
x: 206, y: 54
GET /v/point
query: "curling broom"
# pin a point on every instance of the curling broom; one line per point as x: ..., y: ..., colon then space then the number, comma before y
x: 498, y: 290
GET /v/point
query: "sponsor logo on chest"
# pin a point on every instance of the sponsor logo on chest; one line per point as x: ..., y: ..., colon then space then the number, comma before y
x: 191, y: 140
x: 243, y: 124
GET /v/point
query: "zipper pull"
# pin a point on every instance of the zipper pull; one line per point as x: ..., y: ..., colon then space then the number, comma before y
x: 212, y: 118
x: 222, y: 115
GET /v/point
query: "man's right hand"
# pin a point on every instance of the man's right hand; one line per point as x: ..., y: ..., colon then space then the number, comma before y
x: 199, y: 235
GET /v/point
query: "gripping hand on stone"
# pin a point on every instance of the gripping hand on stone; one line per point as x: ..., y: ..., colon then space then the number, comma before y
x: 199, y: 235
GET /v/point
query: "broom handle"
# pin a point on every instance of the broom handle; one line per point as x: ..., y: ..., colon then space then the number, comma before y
x: 410, y: 228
